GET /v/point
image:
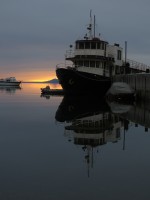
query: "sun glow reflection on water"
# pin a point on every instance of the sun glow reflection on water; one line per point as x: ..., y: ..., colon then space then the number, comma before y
x: 30, y: 87
x: 27, y: 92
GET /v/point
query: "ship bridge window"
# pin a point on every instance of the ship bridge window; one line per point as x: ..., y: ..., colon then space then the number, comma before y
x: 103, y: 46
x: 87, y: 45
x: 81, y: 45
x: 98, y: 45
x: 77, y: 45
x: 93, y: 45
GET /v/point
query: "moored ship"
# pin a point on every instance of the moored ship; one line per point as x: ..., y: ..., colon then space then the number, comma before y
x: 93, y: 64
x: 10, y: 81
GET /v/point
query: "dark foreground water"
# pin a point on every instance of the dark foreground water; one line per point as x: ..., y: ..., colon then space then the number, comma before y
x: 54, y: 148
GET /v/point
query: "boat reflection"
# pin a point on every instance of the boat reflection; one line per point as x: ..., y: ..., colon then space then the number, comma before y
x: 46, y: 96
x: 74, y: 107
x: 93, y: 122
x: 139, y: 113
x: 9, y: 89
x: 90, y: 123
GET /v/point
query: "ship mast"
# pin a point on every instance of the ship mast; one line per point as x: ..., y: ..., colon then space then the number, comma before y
x: 94, y: 26
x: 90, y: 26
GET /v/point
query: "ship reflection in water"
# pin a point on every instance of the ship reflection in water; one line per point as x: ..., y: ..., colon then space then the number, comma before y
x: 90, y: 123
x: 9, y: 89
x: 138, y: 114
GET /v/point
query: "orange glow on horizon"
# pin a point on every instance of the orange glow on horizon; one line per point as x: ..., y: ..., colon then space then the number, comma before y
x: 35, y: 72
x: 40, y: 80
x: 37, y: 76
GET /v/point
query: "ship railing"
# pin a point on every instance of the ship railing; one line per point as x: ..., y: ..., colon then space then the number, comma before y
x: 85, y: 52
x: 69, y: 53
x: 69, y: 66
x: 65, y: 66
x: 137, y: 65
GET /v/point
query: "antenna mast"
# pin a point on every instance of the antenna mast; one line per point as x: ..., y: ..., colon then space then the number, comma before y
x: 94, y: 26
x: 125, y: 53
x: 90, y: 26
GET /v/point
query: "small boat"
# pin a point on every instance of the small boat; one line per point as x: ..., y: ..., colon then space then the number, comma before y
x: 10, y: 81
x: 48, y: 91
x: 121, y: 92
x: 45, y: 90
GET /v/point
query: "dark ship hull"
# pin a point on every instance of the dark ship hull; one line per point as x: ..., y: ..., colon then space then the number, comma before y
x: 80, y: 83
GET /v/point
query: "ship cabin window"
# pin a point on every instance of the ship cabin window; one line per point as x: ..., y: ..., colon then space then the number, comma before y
x: 119, y: 55
x: 77, y: 45
x: 102, y: 45
x: 92, y: 63
x: 80, y: 63
x: 87, y: 45
x: 98, y: 45
x: 93, y: 45
x: 97, y: 64
x: 81, y: 45
x: 86, y: 63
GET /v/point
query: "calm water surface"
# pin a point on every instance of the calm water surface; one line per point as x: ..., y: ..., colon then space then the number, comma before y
x: 54, y: 148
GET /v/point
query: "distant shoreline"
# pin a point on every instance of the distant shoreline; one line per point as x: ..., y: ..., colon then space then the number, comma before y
x: 34, y: 82
x: 38, y: 82
x: 53, y: 81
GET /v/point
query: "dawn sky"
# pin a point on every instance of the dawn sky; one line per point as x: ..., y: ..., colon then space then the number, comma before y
x: 34, y: 34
